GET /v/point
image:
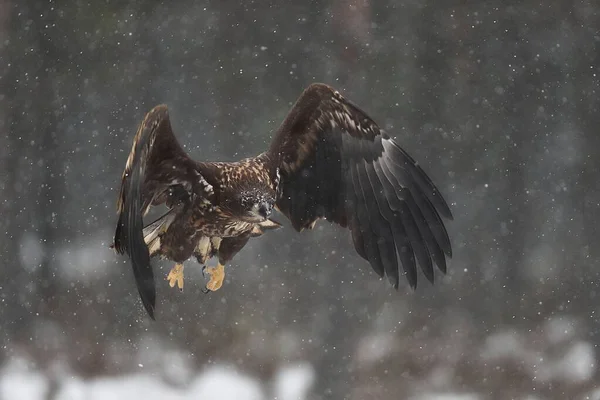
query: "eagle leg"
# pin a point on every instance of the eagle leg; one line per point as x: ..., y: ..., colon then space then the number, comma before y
x: 217, y: 275
x: 176, y: 276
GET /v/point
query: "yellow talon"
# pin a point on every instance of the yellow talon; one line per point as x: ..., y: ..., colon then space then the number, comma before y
x: 176, y: 276
x: 217, y: 275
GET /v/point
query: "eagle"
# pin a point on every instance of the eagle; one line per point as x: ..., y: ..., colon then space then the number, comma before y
x: 328, y: 160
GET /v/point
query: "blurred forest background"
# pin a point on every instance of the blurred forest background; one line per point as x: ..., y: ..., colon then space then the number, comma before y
x: 499, y: 101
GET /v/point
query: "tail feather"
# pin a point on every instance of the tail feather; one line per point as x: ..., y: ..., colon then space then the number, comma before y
x: 153, y: 231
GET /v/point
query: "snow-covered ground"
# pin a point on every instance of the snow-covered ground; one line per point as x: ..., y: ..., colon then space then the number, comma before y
x: 215, y: 383
x: 558, y: 356
x: 20, y: 382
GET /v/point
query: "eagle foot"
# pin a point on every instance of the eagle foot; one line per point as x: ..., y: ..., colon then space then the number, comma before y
x: 176, y: 276
x: 217, y: 275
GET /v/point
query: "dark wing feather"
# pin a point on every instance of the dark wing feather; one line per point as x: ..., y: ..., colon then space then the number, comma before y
x: 157, y: 171
x: 335, y: 163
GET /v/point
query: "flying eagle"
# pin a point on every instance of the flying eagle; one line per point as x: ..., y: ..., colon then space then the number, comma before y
x: 328, y: 160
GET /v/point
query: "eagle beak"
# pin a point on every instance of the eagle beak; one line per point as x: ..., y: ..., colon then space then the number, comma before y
x: 264, y: 210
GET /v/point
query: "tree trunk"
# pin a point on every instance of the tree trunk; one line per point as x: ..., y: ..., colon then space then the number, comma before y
x: 12, y: 310
x: 47, y: 154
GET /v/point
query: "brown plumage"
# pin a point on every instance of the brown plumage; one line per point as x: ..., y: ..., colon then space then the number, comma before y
x: 328, y: 160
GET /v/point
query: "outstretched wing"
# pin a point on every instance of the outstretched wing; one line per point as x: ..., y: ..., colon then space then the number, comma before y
x: 157, y: 171
x: 336, y: 163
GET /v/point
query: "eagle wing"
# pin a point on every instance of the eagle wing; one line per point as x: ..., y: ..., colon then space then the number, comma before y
x: 158, y: 171
x: 336, y: 163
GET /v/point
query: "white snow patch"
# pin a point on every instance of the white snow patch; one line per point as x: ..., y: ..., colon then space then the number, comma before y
x: 155, y: 356
x: 177, y: 367
x: 441, y: 376
x: 31, y: 251
x: 593, y: 395
x: 139, y: 386
x: 560, y: 329
x: 374, y: 348
x: 505, y: 345
x: 577, y: 365
x: 216, y: 383
x: 151, y: 352
x: 82, y: 261
x: 224, y: 383
x: 19, y: 381
x: 293, y: 382
x: 447, y: 396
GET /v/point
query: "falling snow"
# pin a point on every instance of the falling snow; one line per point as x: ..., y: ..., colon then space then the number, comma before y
x: 498, y: 103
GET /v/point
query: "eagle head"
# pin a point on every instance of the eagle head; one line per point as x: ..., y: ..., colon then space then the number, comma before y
x: 251, y: 204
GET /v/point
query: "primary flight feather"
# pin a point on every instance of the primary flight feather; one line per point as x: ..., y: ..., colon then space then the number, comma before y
x: 328, y: 160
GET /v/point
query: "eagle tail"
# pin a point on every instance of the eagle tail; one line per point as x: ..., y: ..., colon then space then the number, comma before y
x: 153, y: 231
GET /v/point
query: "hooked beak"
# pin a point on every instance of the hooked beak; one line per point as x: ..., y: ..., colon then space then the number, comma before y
x: 259, y: 212
x: 265, y: 209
